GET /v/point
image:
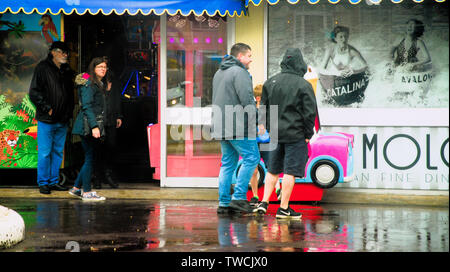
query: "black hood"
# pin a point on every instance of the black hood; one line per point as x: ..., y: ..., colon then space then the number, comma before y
x: 293, y: 62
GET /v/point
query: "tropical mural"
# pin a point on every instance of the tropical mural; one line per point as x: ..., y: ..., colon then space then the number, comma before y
x: 18, y: 131
x: 24, y: 41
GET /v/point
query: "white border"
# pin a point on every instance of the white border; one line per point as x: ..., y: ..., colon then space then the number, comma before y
x: 190, y: 116
x: 163, y: 97
x: 231, y: 31
x: 265, y: 39
x: 183, y: 182
x: 380, y: 117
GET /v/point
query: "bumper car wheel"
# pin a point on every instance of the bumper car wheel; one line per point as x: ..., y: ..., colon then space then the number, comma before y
x: 325, y: 174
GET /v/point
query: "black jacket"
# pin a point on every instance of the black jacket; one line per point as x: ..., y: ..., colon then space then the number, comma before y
x: 52, y: 88
x: 294, y: 97
x: 113, y: 107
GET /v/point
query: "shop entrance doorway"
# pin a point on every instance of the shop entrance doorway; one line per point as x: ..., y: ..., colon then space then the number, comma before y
x: 128, y: 42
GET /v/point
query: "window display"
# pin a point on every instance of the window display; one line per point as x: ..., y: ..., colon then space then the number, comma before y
x: 367, y: 56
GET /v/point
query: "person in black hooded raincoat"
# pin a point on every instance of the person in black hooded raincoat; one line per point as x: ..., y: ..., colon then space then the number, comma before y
x: 294, y: 97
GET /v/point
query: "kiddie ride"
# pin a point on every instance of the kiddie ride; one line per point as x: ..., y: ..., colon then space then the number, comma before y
x: 330, y: 161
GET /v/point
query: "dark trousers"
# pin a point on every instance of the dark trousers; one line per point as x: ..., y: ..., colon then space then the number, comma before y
x: 106, y: 152
x: 83, y: 179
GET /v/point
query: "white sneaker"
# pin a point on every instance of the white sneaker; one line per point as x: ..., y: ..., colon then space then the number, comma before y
x: 92, y: 196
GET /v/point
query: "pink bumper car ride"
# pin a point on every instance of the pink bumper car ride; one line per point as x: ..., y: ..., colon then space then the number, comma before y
x: 330, y: 162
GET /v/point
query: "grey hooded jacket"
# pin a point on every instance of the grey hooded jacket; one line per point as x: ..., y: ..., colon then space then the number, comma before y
x: 234, y: 108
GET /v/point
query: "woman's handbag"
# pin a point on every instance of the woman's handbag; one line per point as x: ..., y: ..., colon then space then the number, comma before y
x: 100, y: 123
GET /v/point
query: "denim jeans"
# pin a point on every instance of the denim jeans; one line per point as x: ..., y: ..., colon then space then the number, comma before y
x: 51, y: 139
x: 83, y: 179
x: 231, y: 150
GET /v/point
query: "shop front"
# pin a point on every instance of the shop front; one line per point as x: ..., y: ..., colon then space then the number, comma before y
x: 383, y: 76
x: 381, y: 68
x: 163, y: 54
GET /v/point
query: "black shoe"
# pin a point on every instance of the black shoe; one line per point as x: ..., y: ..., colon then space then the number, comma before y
x: 96, y: 182
x: 57, y: 187
x: 44, y: 189
x: 241, y: 206
x: 254, y: 202
x: 262, y: 207
x: 288, y: 213
x: 111, y: 181
x: 223, y: 210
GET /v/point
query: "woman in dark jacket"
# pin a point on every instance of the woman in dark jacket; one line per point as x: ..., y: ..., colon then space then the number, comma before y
x: 91, y: 94
x: 113, y: 120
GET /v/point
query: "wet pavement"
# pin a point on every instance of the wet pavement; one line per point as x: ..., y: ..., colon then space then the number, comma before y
x: 58, y: 225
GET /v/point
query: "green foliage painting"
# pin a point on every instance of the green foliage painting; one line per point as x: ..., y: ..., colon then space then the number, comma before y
x: 18, y: 131
x: 23, y: 44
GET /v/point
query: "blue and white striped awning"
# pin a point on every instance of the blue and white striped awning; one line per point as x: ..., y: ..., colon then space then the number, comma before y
x: 158, y: 7
x: 273, y: 2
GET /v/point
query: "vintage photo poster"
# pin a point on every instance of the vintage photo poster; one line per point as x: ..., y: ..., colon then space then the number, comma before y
x: 382, y: 74
x: 367, y: 56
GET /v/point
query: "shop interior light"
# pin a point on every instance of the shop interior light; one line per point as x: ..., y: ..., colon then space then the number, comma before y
x: 200, y: 18
x: 213, y: 23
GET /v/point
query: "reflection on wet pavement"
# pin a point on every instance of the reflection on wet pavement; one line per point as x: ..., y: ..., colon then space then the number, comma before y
x: 194, y: 226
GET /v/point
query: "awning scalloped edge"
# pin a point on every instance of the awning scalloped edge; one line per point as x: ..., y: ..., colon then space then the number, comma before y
x: 100, y: 10
x: 313, y: 2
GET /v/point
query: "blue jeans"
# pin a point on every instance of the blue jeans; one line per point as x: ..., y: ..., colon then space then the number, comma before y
x: 51, y: 139
x: 231, y: 150
x: 83, y: 179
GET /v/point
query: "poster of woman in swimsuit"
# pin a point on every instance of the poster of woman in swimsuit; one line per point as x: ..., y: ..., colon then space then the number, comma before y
x: 411, y: 69
x: 343, y: 74
x: 367, y: 56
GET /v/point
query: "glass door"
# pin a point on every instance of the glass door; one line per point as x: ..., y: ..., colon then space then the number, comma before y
x: 195, y: 47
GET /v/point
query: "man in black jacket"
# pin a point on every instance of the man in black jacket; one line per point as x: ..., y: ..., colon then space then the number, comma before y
x: 296, y: 102
x: 51, y: 91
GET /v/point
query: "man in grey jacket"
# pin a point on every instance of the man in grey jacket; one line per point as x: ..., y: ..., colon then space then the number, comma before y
x: 234, y: 124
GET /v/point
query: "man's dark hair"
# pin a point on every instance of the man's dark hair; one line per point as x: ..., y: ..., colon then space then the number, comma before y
x: 239, y: 48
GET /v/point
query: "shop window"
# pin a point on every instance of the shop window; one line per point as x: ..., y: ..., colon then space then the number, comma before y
x: 176, y: 83
x: 198, y: 136
x: 205, y: 146
x: 387, y: 55
x: 195, y: 47
x: 191, y: 152
x: 176, y: 136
